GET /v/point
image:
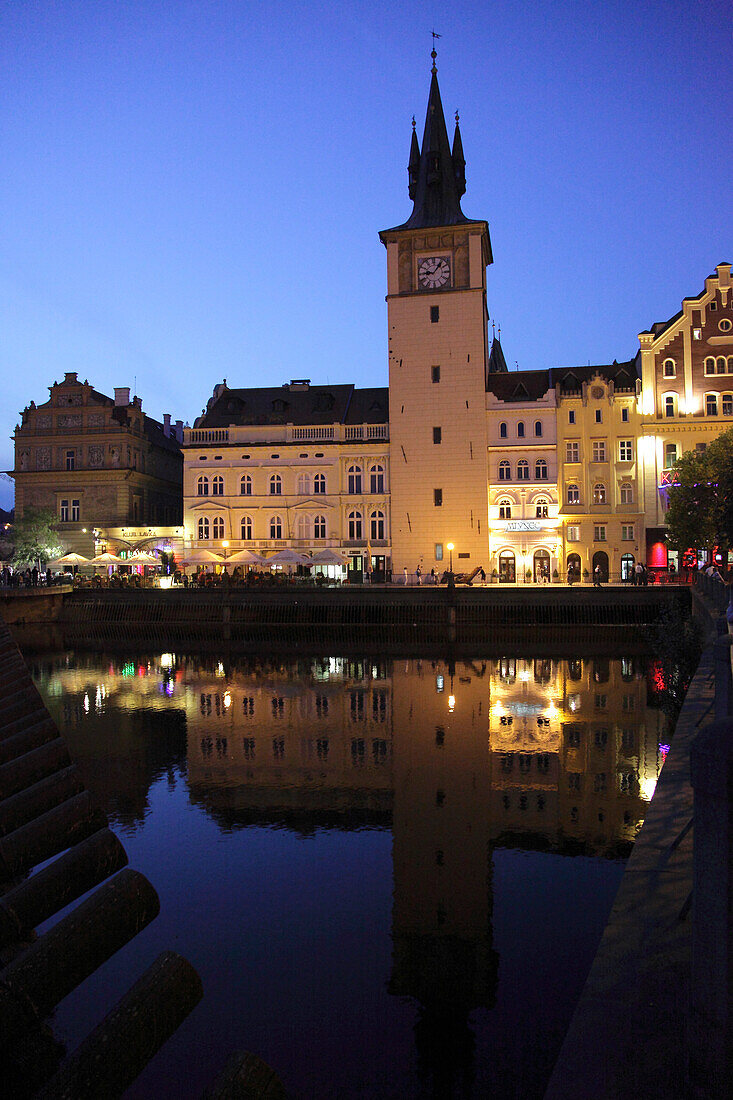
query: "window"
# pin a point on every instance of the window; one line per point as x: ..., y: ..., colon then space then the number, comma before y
x: 217, y: 486
x: 435, y: 373
x: 599, y: 416
x: 697, y: 334
x: 669, y: 369
x: 319, y: 527
x: 376, y: 525
x: 319, y: 484
x: 245, y: 485
x: 625, y: 414
x: 70, y: 458
x: 505, y: 509
x: 505, y: 471
x: 202, y: 486
x: 203, y: 528
x: 724, y: 325
x: 571, y: 416
x: 304, y: 485
x: 627, y: 532
x: 599, y: 532
x: 276, y: 527
x: 376, y: 479
x: 541, y: 509
x: 573, y: 534
x: 572, y: 450
x: 437, y: 435
x: 353, y: 479
x: 438, y: 498
x: 538, y: 428
x: 599, y: 493
x: 669, y: 405
x: 727, y: 399
x: 439, y: 551
x: 246, y: 528
x: 710, y: 365
x: 64, y: 511
x: 599, y: 450
x: 540, y: 470
x: 75, y: 511
x: 523, y: 470
x: 625, y: 450
x: 626, y: 493
x: 670, y: 455
x: 356, y: 526
x: 218, y: 527
x: 502, y: 430
x: 276, y: 485
x: 573, y: 494
x: 434, y: 315
x: 520, y: 430
x: 711, y: 404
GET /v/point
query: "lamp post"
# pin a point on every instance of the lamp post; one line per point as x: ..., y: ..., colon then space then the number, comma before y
x: 450, y: 551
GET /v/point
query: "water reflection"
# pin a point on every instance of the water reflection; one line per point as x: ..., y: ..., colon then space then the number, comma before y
x: 458, y: 758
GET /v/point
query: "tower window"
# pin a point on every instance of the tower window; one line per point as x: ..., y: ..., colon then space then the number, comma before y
x: 434, y: 315
x: 502, y: 430
x: 437, y: 435
x: 435, y: 373
x: 520, y: 429
x: 438, y: 498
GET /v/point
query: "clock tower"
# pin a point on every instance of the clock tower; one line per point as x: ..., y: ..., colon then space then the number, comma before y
x: 438, y: 362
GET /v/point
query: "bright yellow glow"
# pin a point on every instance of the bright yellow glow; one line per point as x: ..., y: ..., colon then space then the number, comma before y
x: 166, y: 660
x: 225, y: 542
x: 450, y: 546
x: 451, y: 702
x: 647, y: 787
x: 524, y: 675
x: 227, y: 699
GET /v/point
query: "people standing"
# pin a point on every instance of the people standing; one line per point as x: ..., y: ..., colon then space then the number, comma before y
x: 418, y: 574
x: 405, y: 574
x: 597, y: 577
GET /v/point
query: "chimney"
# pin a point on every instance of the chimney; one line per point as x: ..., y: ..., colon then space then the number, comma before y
x: 179, y: 431
x: 122, y: 395
x: 167, y: 425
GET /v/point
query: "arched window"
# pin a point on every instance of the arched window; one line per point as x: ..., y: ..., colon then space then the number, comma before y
x: 670, y: 404
x: 303, y: 526
x: 356, y: 525
x: 245, y: 485
x: 720, y: 364
x: 730, y: 365
x: 520, y: 430
x: 354, y: 479
x: 246, y: 528
x: 538, y: 428
x: 627, y: 490
x: 319, y: 484
x: 669, y: 368
x: 599, y: 493
x: 376, y: 479
x: 541, y: 508
x: 505, y: 508
x: 711, y: 404
x: 502, y: 430
x: 202, y: 486
x: 276, y: 485
x: 710, y: 364
x: 319, y: 527
x: 540, y: 470
x: 376, y: 525
x: 304, y: 484
x: 573, y: 494
x: 276, y: 527
x: 203, y: 527
x: 523, y: 470
x: 217, y: 486
x: 505, y: 471
x: 727, y: 403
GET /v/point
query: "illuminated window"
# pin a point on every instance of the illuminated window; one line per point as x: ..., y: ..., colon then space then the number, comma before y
x: 573, y: 494
x: 573, y: 534
x: 203, y: 528
x: 505, y: 509
x: 541, y: 509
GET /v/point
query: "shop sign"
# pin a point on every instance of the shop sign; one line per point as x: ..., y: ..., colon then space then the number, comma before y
x: 524, y: 525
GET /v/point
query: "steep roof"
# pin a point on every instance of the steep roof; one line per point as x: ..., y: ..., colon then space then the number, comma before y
x: 531, y: 385
x: 296, y: 404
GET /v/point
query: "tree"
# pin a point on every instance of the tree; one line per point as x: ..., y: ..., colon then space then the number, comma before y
x: 35, y: 537
x: 701, y: 500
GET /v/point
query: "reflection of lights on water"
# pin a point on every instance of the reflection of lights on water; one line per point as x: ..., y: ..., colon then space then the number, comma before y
x: 524, y: 675
x: 141, y: 670
x: 169, y: 687
x: 166, y: 660
x: 573, y: 702
x: 86, y: 703
x: 128, y: 669
x: 439, y: 683
x: 227, y: 699
x: 663, y: 750
x: 551, y: 711
x: 648, y: 786
x: 451, y: 702
x: 220, y: 669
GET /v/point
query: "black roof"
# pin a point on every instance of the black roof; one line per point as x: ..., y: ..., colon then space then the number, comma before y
x: 299, y: 404
x: 530, y: 385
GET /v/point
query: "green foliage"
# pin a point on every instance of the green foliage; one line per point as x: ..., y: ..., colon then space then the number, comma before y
x: 701, y: 503
x: 35, y: 538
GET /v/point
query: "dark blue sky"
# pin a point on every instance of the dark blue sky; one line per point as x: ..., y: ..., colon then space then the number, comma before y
x: 193, y: 190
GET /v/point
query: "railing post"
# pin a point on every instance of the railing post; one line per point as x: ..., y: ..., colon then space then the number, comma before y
x: 709, y: 1054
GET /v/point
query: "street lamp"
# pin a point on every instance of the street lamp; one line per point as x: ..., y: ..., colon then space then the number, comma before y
x: 450, y: 551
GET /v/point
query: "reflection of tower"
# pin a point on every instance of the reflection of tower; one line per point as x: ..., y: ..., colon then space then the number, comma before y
x: 442, y: 869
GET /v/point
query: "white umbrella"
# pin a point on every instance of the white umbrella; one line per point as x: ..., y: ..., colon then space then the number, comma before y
x: 71, y: 559
x: 107, y: 559
x: 327, y: 557
x: 143, y: 558
x: 201, y: 557
x: 288, y: 557
x: 245, y: 557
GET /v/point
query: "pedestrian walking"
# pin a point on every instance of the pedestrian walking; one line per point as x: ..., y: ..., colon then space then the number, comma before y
x: 418, y: 574
x: 405, y: 574
x: 597, y: 577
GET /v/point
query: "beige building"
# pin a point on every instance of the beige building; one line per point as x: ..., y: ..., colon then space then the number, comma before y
x: 96, y: 462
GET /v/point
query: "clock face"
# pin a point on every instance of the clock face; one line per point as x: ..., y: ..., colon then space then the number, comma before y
x: 433, y: 272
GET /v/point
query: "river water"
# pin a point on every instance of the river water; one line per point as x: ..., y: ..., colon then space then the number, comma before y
x: 391, y: 875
